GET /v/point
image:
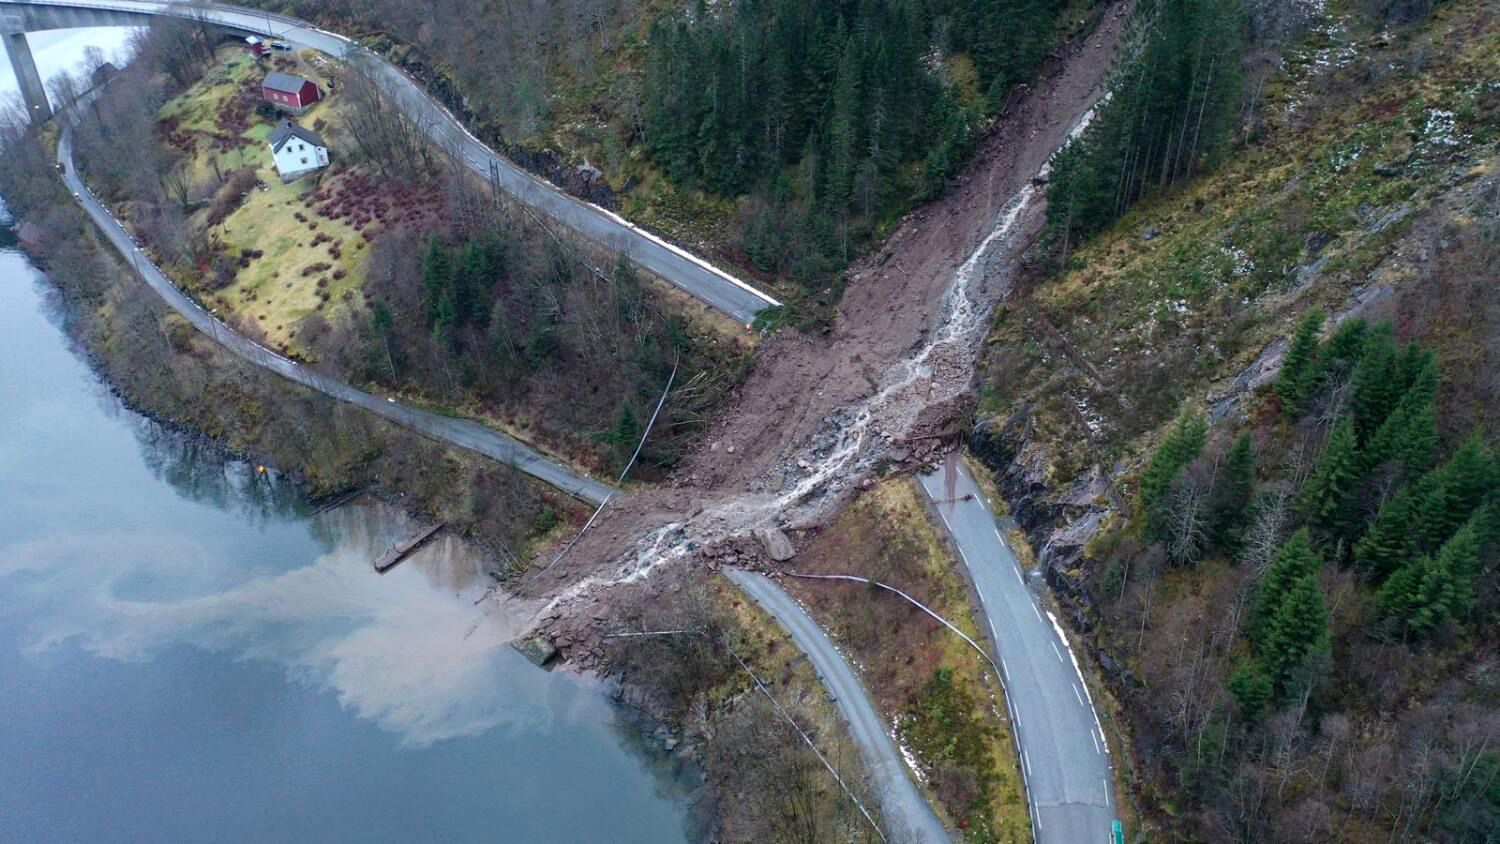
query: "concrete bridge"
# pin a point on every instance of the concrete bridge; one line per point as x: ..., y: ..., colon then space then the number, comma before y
x: 19, y: 18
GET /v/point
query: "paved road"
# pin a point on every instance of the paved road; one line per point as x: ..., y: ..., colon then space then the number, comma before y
x: 460, y: 432
x: 908, y: 815
x: 710, y: 284
x: 1065, y: 761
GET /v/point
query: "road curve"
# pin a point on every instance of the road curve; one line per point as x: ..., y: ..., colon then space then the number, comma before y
x: 908, y: 815
x: 1064, y: 758
x: 463, y: 433
x: 697, y: 277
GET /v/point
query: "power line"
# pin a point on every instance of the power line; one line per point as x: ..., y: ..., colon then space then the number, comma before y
x: 781, y: 710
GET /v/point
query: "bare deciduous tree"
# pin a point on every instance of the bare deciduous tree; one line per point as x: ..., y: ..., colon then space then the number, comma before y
x: 1186, y: 520
x: 1268, y: 528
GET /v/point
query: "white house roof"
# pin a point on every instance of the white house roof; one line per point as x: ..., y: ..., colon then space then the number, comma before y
x: 287, y: 130
x: 283, y: 82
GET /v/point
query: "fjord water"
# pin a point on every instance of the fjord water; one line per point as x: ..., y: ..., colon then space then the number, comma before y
x: 187, y: 653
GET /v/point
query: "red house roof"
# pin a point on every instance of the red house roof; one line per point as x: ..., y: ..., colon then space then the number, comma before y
x: 288, y: 90
x: 284, y: 82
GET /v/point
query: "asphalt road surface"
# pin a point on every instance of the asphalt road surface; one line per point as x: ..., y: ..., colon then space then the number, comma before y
x: 460, y: 432
x: 713, y: 286
x: 908, y: 815
x: 1065, y: 761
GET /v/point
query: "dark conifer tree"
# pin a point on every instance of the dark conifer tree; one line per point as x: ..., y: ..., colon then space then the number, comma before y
x: 1181, y: 445
x: 1231, y: 495
x: 437, y: 281
x: 1296, y: 641
x: 1377, y: 382
x: 1294, y: 561
x: 1299, y: 368
x: 1327, y: 497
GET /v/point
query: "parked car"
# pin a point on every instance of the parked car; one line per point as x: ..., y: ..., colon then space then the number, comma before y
x: 282, y: 46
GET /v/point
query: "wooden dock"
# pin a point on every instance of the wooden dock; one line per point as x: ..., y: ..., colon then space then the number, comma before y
x: 401, y: 550
x: 338, y: 501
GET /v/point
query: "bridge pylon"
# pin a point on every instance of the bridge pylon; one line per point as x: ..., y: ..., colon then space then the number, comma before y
x: 33, y: 92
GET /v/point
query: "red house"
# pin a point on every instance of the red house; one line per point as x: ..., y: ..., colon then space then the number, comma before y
x: 292, y: 93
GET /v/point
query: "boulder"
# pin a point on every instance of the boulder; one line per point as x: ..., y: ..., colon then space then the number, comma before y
x: 776, y: 544
x: 537, y: 648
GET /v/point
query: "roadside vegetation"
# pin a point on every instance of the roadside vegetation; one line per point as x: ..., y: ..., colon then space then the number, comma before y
x: 395, y: 267
x: 940, y: 696
x: 761, y: 781
x: 1244, y: 407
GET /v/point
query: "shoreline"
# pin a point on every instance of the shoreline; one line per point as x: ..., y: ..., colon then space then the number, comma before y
x: 668, y: 750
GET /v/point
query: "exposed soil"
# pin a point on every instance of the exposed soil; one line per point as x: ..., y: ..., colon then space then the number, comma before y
x: 885, y: 383
x: 893, y: 296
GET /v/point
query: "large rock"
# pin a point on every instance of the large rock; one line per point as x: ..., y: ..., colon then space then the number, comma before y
x: 776, y: 544
x: 538, y: 648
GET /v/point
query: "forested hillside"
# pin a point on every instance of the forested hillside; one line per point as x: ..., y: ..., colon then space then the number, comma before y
x: 1170, y: 114
x: 833, y: 116
x: 1245, y: 410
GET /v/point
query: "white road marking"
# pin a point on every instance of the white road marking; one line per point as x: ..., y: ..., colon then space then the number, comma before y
x: 1106, y: 794
x: 1059, y: 654
x: 1095, y: 740
x: 1079, y: 696
x: 1026, y: 757
x: 1038, y: 614
x: 1018, y: 575
x: 997, y: 534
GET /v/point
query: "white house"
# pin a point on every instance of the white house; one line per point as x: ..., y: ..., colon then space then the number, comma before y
x: 296, y: 150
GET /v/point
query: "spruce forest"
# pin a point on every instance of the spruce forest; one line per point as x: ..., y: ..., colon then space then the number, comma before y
x: 830, y: 114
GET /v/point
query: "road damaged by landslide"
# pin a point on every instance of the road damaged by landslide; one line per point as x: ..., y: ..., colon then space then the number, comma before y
x: 817, y: 415
x: 888, y: 383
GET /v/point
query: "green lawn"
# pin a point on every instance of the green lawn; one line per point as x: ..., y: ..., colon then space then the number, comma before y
x: 272, y: 290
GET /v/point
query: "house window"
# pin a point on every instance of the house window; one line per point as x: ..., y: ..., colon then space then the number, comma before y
x: 304, y: 161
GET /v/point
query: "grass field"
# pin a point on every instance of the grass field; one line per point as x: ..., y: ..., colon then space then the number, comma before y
x: 273, y: 289
x: 215, y: 119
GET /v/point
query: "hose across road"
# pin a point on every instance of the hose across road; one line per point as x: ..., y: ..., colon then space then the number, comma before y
x: 715, y: 287
x: 463, y: 433
x: 907, y: 815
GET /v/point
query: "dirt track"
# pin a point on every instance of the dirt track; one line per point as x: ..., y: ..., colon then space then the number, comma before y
x: 797, y: 397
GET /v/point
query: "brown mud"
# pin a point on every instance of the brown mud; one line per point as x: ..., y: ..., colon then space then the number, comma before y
x: 772, y: 447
